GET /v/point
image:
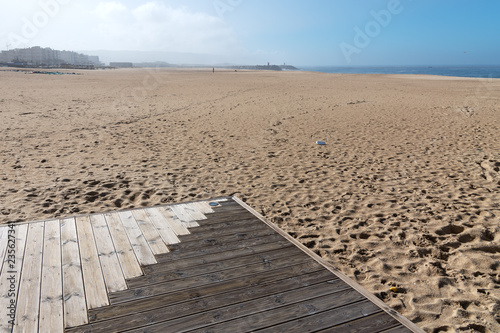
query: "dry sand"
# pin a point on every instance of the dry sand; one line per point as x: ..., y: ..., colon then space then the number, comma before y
x: 405, y: 194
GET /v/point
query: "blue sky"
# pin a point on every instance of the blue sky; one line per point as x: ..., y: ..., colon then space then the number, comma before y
x: 314, y: 32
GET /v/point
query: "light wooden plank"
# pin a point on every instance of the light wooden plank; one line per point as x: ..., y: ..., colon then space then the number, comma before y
x: 139, y: 244
x: 4, y: 239
x: 184, y: 216
x: 93, y: 280
x: 112, y: 271
x: 126, y: 256
x: 193, y: 210
x: 75, y: 308
x: 51, y: 298
x: 175, y: 223
x: 9, y: 280
x: 204, y: 207
x: 149, y: 231
x: 162, y: 225
x: 28, y: 301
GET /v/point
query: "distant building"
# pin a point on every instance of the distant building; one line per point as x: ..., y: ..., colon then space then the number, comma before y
x: 121, y: 64
x: 37, y: 56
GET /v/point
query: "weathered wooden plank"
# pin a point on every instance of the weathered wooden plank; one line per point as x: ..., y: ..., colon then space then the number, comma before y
x: 232, y: 229
x: 201, y: 243
x: 243, y: 262
x: 265, y: 311
x: 141, y: 248
x: 201, y: 290
x: 177, y: 226
x: 214, y: 250
x: 128, y: 260
x: 184, y: 216
x: 209, y: 278
x: 149, y: 231
x: 28, y: 301
x: 93, y: 280
x: 75, y: 308
x: 162, y: 225
x: 51, y: 298
x: 202, y: 304
x: 203, y: 207
x: 111, y: 269
x: 9, y: 280
x: 212, y: 258
x: 193, y: 210
x: 378, y: 322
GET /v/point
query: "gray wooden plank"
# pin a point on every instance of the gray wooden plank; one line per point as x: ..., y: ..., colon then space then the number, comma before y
x: 28, y: 301
x: 184, y: 216
x: 111, y: 269
x: 128, y: 260
x: 51, y: 298
x: 191, y: 306
x: 203, y: 207
x: 93, y: 279
x: 205, y: 279
x: 10, y: 278
x: 149, y: 231
x: 243, y: 262
x: 262, y: 312
x: 141, y: 248
x: 193, y: 210
x: 75, y: 307
x: 200, y: 290
x: 162, y: 225
x: 174, y: 222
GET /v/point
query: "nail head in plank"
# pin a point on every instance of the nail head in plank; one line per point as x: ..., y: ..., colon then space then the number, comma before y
x: 75, y: 308
x: 126, y: 256
x: 28, y: 303
x: 51, y: 297
x: 20, y: 232
x: 111, y: 269
x: 95, y: 289
x: 139, y: 244
x: 162, y: 225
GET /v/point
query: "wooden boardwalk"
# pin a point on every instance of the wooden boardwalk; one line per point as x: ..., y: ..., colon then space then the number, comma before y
x: 211, y: 266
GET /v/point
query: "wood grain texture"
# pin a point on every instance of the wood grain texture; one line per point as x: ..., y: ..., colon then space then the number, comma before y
x: 128, y: 261
x: 111, y: 269
x: 75, y: 307
x: 95, y: 288
x: 28, y: 301
x: 51, y: 298
x: 10, y: 278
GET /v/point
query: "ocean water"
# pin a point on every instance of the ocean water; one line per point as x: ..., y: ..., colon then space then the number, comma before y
x: 459, y: 71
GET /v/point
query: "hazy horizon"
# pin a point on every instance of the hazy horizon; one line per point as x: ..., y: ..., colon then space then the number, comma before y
x: 300, y: 33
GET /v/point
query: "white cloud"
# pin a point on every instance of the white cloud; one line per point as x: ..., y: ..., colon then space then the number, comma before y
x: 154, y: 26
x: 112, y: 25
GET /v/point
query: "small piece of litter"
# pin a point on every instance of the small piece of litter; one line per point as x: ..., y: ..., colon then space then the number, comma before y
x: 393, y: 289
x: 213, y: 204
x: 321, y: 143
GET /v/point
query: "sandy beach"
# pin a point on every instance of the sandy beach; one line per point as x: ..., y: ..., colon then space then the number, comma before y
x: 405, y: 193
